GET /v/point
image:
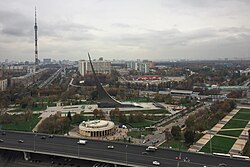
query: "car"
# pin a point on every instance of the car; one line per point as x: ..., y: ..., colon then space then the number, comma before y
x: 82, y: 142
x: 144, y: 153
x: 178, y: 158
x: 20, y: 141
x: 186, y: 159
x: 3, y: 133
x: 111, y: 147
x: 1, y: 140
x: 156, y: 163
x: 151, y: 149
x: 51, y: 136
x: 222, y: 165
x: 43, y: 137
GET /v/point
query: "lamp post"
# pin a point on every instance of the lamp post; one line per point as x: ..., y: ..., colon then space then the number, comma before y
x: 210, y: 143
x: 35, y: 142
x: 126, y: 155
x: 78, y: 150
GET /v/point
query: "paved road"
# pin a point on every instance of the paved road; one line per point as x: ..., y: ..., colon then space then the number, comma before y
x: 122, y: 153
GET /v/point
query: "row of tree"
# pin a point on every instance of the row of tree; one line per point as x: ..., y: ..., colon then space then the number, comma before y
x: 55, y: 125
x: 189, y: 134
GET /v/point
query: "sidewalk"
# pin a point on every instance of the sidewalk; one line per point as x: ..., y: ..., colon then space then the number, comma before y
x: 204, y: 140
x: 241, y: 141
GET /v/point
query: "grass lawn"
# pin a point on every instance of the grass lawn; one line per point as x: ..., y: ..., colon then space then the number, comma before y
x: 235, y: 133
x: 158, y: 111
x: 38, y: 108
x: 234, y: 123
x: 243, y: 114
x: 176, y: 144
x: 141, y: 124
x: 219, y: 145
x: 137, y: 134
x: 23, y: 125
x: 155, y: 118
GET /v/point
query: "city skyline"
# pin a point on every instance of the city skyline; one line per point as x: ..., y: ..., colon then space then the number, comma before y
x: 155, y: 30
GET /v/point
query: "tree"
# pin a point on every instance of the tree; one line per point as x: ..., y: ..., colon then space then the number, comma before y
x: 27, y: 101
x: 54, y: 124
x: 122, y: 117
x: 3, y: 105
x: 189, y: 136
x: 114, y: 113
x: 190, y: 121
x: 69, y: 116
x: 176, y: 132
x: 249, y: 134
x: 95, y: 112
x: 131, y: 118
x: 94, y: 95
x: 28, y: 114
x: 139, y: 117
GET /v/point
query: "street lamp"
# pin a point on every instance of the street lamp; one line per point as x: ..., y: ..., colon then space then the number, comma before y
x: 78, y: 151
x: 210, y: 143
x: 35, y: 142
x: 126, y: 155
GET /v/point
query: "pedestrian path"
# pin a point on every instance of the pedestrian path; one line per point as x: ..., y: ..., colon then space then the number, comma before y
x: 241, y: 141
x: 209, y: 134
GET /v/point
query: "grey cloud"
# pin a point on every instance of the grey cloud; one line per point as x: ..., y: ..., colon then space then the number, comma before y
x: 121, y: 25
x: 15, y: 24
x: 234, y: 29
x: 67, y: 30
x: 174, y: 38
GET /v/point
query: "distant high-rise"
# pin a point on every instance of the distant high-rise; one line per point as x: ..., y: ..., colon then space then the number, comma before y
x: 36, y: 50
x: 101, y: 66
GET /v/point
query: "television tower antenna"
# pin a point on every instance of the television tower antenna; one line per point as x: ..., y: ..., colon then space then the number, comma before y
x: 36, y: 50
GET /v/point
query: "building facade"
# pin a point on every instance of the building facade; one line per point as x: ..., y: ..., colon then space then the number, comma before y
x: 96, y: 128
x: 28, y: 79
x: 100, y: 66
x: 3, y: 84
x: 140, y: 66
x: 245, y: 72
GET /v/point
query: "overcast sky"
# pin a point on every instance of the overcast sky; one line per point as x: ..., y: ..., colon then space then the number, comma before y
x: 126, y: 29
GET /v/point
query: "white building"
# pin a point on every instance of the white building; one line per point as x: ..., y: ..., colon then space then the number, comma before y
x: 3, y: 84
x: 245, y: 72
x: 96, y: 128
x: 139, y: 66
x: 100, y: 66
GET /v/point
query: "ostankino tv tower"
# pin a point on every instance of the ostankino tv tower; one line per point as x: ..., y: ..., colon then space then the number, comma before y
x: 36, y: 50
